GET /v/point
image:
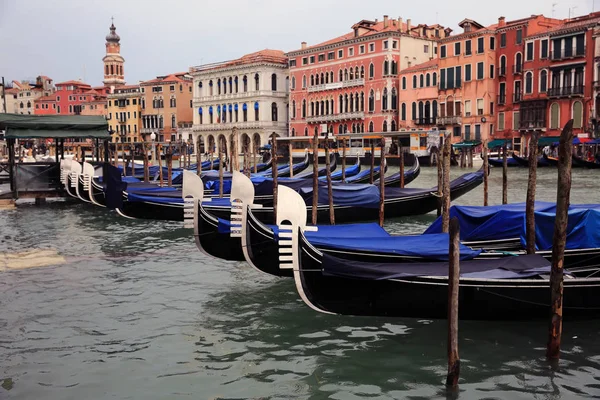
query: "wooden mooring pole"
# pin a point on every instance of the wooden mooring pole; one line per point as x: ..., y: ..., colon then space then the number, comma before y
x: 146, y: 164
x: 446, y: 185
x: 315, y: 200
x: 382, y: 183
x: 160, y: 170
x: 565, y: 157
x: 198, y: 157
x: 440, y: 172
x: 169, y: 162
x: 371, y: 176
x: 453, y: 287
x: 220, y: 170
x: 329, y: 188
x: 401, y: 161
x: 343, y: 160
x: 275, y: 172
x: 486, y: 170
x: 505, y: 175
x: 530, y: 205
x: 290, y: 150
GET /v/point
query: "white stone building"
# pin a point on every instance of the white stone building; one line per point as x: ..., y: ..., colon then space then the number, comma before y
x: 249, y: 94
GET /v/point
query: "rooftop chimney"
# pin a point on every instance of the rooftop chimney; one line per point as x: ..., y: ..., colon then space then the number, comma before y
x: 400, y: 24
x: 303, y: 45
x: 385, y: 21
x: 408, y: 25
x: 501, y: 21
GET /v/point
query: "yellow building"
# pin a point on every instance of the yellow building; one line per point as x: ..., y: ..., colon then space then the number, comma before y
x: 124, y: 119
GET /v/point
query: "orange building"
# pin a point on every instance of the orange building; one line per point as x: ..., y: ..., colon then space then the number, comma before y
x: 467, y: 82
x: 419, y: 96
x: 167, y: 106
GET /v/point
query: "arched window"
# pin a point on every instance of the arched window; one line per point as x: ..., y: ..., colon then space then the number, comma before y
x: 256, y: 111
x: 384, y: 126
x: 293, y: 82
x: 414, y: 82
x: 394, y: 67
x: 293, y: 109
x: 351, y: 73
x: 200, y: 114
x: 529, y: 82
x: 316, y: 79
x: 554, y: 116
x: 345, y: 74
x: 305, y: 131
x: 353, y: 128
x: 371, y: 126
x: 394, y: 126
x: 414, y: 111
x: 421, y: 111
x: 543, y: 81
x: 403, y: 112
x: 256, y: 83
x: 331, y: 77
x: 371, y: 101
x: 371, y: 71
x: 362, y: 101
x: 434, y: 107
x: 112, y: 69
x: 28, y: 104
x: 274, y: 82
x: 386, y: 68
x: 327, y: 77
x: 303, y: 108
x: 421, y: 81
x: 273, y: 111
x: 341, y: 103
x: 356, y: 102
x: 312, y: 80
x: 356, y: 73
x: 502, y: 65
x: 218, y: 86
x: 312, y: 108
x: 346, y: 105
x: 303, y: 81
x: 331, y: 109
x: 577, y: 115
x: 293, y: 132
x: 245, y: 83
x: 236, y: 84
x: 394, y: 99
x: 428, y: 80
x: 341, y: 76
x: 106, y: 68
x: 434, y: 79
x: 403, y: 83
x: 173, y: 125
x: 384, y: 99
x: 518, y: 62
x: 210, y: 114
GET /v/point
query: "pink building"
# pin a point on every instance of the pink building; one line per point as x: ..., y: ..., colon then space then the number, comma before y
x: 351, y: 82
x: 419, y: 96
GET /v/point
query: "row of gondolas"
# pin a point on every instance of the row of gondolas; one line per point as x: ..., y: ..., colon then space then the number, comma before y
x: 356, y: 267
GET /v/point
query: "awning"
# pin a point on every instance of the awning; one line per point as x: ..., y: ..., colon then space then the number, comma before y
x: 548, y: 140
x: 577, y: 141
x: 465, y: 144
x: 18, y: 126
x: 497, y: 143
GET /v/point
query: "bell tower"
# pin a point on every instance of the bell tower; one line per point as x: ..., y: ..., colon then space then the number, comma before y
x: 113, y: 61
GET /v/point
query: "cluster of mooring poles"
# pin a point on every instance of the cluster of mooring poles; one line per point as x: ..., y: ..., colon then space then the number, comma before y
x: 565, y: 154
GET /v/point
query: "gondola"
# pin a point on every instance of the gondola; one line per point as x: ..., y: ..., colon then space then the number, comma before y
x: 409, y: 175
x: 508, y: 288
x: 357, y: 203
x: 552, y: 161
x: 524, y: 162
x: 580, y: 162
x: 351, y: 171
x: 364, y: 176
x: 498, y: 162
x: 322, y: 171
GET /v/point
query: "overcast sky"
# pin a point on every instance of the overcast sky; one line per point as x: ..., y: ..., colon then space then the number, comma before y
x: 64, y: 39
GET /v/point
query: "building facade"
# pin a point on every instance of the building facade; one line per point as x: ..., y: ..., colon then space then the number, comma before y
x: 8, y: 99
x: 419, y: 96
x: 351, y: 82
x: 125, y: 114
x: 249, y: 95
x: 27, y: 93
x: 166, y: 106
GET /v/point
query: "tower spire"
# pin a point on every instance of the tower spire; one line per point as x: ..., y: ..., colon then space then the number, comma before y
x: 113, y: 61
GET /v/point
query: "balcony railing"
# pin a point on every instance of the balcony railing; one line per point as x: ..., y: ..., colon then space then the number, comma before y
x: 566, y: 91
x: 449, y: 120
x: 337, y: 85
x: 537, y: 124
x: 517, y: 97
x: 501, y: 99
x: 426, y: 121
x: 240, y: 125
x: 501, y: 71
x: 240, y: 95
x: 518, y: 69
x: 336, y: 117
x: 565, y: 54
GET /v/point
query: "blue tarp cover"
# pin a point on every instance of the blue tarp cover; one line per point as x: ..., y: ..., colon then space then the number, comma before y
x: 505, y: 268
x: 366, y: 196
x: 583, y: 229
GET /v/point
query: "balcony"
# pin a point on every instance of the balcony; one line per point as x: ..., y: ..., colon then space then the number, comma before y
x: 450, y: 120
x: 239, y: 96
x: 240, y: 125
x: 426, y: 121
x: 501, y: 71
x: 518, y: 69
x: 336, y: 117
x: 336, y: 85
x: 566, y: 91
x: 531, y: 125
x: 501, y: 99
x: 517, y: 97
x: 566, y: 54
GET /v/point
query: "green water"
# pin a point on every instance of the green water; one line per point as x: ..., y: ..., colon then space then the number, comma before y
x: 136, y: 312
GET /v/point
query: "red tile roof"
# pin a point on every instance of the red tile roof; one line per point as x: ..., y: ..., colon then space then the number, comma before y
x: 262, y: 56
x: 72, y: 83
x: 51, y: 97
x: 431, y: 64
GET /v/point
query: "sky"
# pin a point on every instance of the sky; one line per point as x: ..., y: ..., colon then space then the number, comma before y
x: 64, y: 39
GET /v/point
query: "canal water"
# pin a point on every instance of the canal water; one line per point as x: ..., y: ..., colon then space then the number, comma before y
x: 136, y: 312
